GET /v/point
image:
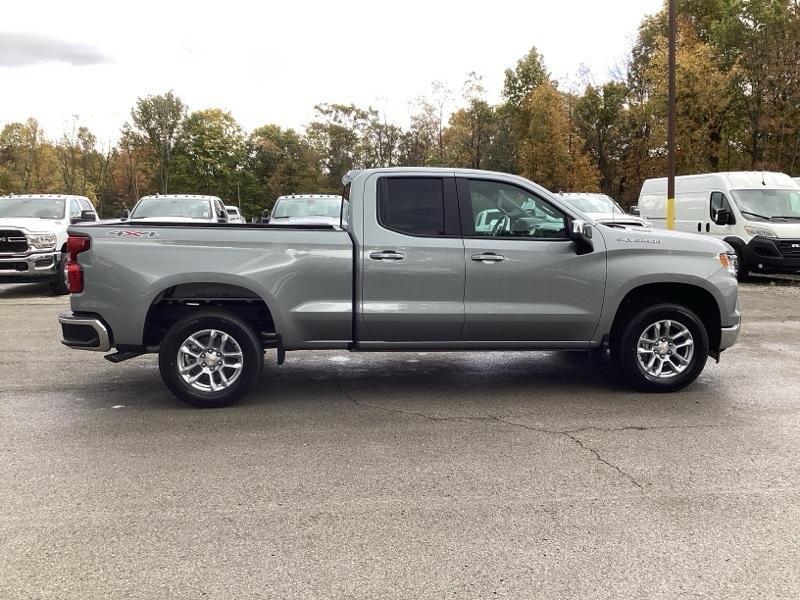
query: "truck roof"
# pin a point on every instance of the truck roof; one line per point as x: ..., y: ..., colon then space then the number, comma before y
x: 354, y: 174
x: 726, y: 180
x: 181, y: 197
x: 47, y: 196
x: 290, y: 196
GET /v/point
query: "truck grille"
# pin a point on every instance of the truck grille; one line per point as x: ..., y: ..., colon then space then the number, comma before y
x: 12, y: 241
x: 20, y: 267
x: 790, y: 247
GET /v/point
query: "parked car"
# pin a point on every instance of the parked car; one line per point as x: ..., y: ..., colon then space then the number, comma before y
x: 176, y: 208
x: 308, y: 209
x: 234, y: 216
x: 409, y: 272
x: 33, y: 236
x: 757, y: 213
x: 603, y: 209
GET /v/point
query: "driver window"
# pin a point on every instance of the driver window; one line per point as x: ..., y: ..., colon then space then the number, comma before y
x: 718, y: 201
x: 503, y: 210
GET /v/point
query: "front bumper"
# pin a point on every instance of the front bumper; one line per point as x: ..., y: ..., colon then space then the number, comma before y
x: 24, y: 268
x: 728, y: 336
x: 85, y: 331
x: 772, y: 255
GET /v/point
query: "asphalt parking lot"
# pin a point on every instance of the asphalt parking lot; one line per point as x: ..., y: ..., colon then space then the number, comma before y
x: 515, y: 475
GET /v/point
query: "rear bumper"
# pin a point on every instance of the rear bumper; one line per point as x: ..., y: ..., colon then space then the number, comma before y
x: 28, y: 268
x: 85, y: 331
x: 765, y: 255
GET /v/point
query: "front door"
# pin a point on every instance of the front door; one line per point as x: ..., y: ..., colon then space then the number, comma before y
x: 525, y: 282
x: 412, y: 260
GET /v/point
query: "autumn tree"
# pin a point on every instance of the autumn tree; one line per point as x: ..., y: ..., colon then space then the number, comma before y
x: 27, y: 160
x: 551, y: 153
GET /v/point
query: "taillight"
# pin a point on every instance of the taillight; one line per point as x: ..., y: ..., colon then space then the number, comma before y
x: 75, y: 245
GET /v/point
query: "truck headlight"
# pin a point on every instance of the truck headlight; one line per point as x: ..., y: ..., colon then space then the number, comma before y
x: 762, y: 231
x: 729, y: 262
x: 42, y: 240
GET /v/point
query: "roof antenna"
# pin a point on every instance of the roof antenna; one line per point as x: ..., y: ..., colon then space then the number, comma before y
x: 764, y: 183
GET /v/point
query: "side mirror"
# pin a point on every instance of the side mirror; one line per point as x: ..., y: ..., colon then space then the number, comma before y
x: 86, y: 215
x: 635, y: 211
x: 125, y: 214
x: 580, y: 232
x: 722, y: 216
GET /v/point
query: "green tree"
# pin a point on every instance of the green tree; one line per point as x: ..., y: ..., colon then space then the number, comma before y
x: 156, y: 123
x: 336, y: 135
x: 280, y: 161
x: 599, y: 114
x: 210, y: 155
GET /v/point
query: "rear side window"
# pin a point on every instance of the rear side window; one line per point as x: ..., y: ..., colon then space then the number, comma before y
x: 412, y: 205
x: 85, y: 204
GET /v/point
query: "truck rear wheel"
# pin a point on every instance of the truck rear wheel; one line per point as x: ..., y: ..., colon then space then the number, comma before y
x: 210, y: 359
x: 661, y: 348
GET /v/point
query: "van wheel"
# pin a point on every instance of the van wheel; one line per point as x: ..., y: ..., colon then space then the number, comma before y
x: 662, y: 348
x: 743, y: 269
x: 210, y: 359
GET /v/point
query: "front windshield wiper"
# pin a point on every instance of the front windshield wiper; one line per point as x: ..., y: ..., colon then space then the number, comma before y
x: 752, y: 214
x: 788, y: 217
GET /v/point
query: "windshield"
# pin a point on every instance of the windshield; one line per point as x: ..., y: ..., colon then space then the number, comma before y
x: 32, y: 208
x: 768, y: 204
x: 593, y: 204
x: 307, y: 207
x: 190, y: 208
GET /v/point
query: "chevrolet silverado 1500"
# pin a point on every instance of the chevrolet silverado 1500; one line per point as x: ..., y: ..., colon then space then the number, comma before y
x: 406, y: 269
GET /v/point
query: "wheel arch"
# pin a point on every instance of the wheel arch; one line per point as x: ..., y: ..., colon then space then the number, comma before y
x: 696, y: 298
x: 175, y: 301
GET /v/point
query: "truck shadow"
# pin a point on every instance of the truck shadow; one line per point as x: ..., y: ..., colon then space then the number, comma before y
x: 325, y: 381
x: 25, y: 290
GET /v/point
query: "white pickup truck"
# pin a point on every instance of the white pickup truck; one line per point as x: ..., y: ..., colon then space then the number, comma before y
x: 33, y: 236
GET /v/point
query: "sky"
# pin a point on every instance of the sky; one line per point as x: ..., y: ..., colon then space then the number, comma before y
x: 272, y: 62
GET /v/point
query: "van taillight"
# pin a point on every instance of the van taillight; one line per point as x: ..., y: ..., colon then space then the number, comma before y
x: 75, y: 245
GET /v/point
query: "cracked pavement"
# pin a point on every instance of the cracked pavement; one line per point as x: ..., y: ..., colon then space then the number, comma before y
x: 400, y: 475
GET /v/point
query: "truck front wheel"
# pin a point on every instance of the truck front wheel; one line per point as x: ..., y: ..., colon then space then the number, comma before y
x: 210, y: 358
x: 661, y: 348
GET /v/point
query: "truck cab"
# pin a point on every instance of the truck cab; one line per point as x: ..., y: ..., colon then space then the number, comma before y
x: 757, y: 213
x: 33, y: 236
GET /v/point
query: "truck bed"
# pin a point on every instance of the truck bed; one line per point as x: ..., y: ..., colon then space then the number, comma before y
x: 304, y: 274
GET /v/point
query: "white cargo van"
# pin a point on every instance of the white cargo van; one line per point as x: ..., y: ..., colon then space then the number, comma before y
x: 758, y: 213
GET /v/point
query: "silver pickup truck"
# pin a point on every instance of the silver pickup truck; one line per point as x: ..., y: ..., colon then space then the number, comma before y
x: 408, y: 271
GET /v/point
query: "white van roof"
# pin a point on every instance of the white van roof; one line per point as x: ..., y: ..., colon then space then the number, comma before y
x: 730, y: 180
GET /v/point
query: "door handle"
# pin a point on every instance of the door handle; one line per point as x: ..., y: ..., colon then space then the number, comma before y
x: 387, y: 255
x: 488, y: 257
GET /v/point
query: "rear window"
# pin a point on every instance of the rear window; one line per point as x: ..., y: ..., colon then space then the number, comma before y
x: 412, y: 205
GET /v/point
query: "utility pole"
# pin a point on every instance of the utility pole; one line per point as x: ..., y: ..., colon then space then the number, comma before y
x: 671, y: 126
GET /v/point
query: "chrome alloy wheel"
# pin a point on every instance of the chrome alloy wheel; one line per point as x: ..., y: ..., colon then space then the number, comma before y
x: 210, y: 360
x: 665, y: 349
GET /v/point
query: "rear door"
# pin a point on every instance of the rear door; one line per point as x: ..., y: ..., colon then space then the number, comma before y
x: 412, y: 259
x: 525, y: 282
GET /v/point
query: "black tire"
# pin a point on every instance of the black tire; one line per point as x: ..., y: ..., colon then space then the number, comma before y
x: 743, y: 272
x: 223, y: 321
x: 58, y: 285
x: 625, y: 355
